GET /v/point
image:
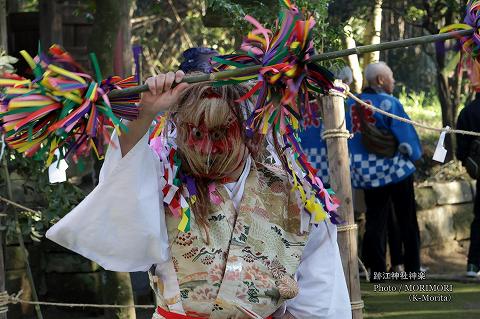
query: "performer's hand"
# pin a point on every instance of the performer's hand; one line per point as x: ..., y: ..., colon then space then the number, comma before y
x: 161, y: 96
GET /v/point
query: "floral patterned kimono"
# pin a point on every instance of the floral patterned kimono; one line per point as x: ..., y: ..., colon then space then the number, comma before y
x: 254, y: 257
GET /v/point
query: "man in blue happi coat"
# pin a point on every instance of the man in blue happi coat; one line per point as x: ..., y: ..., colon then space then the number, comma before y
x: 385, y: 178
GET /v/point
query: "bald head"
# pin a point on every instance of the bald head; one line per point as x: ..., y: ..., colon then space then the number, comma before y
x: 380, y: 77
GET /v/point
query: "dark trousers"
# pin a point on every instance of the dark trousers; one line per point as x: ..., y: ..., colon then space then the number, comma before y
x: 377, y: 200
x: 474, y: 250
x: 394, y: 239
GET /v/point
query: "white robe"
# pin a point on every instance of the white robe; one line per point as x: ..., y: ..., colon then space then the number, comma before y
x: 121, y: 226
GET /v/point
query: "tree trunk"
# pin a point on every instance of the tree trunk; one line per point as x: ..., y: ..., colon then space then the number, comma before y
x: 110, y: 37
x: 123, y: 54
x: 447, y: 114
x: 449, y: 90
x: 3, y: 26
x: 373, y: 33
x: 110, y: 40
x: 50, y: 23
x: 449, y: 94
x: 356, y: 85
x: 117, y: 290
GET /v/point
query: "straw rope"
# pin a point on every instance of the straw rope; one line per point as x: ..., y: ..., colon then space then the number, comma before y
x: 357, y: 304
x: 336, y: 133
x: 6, y: 299
x: 344, y: 228
x: 18, y: 205
x: 417, y: 124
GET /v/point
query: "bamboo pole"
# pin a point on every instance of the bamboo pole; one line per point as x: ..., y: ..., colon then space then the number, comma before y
x: 316, y: 58
x: 333, y: 111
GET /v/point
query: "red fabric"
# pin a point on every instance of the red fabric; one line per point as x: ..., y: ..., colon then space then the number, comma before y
x: 173, y: 315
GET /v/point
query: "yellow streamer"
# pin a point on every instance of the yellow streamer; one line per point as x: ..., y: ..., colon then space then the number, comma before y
x: 183, y: 223
x: 95, y: 150
x: 23, y: 147
x: 316, y: 210
x: 17, y: 90
x: 305, y: 35
x: 13, y: 82
x: 8, y: 127
x: 19, y: 104
x: 93, y: 93
x: 294, y: 45
x: 118, y: 130
x: 29, y: 59
x: 69, y: 95
x: 53, y: 147
x: 265, y: 125
x: 255, y: 37
x: 297, y: 186
x: 291, y: 73
x: 245, y: 78
x: 294, y: 123
x: 66, y: 73
x: 275, y: 77
x: 455, y: 26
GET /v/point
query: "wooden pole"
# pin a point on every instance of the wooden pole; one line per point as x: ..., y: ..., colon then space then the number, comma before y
x: 316, y: 58
x: 333, y: 108
x: 393, y: 45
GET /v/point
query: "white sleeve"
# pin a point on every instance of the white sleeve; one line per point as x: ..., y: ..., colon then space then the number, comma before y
x: 121, y: 224
x: 323, y: 291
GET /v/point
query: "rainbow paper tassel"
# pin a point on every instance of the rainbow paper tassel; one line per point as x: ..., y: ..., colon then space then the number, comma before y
x: 62, y: 107
x: 285, y: 80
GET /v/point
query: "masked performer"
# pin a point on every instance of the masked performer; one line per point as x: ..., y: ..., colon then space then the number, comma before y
x: 218, y: 229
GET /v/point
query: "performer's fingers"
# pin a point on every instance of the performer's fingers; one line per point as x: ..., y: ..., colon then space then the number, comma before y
x: 169, y: 78
x: 180, y: 88
x: 151, y: 85
x: 179, y: 75
x: 159, y: 82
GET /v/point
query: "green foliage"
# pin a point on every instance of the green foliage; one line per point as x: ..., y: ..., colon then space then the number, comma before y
x: 327, y: 37
x: 165, y: 29
x: 423, y: 107
x: 29, y: 184
x: 239, y: 9
x: 423, y: 102
x: 436, y: 13
x: 164, y: 35
x: 27, y: 5
x: 414, y: 14
x: 31, y: 188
